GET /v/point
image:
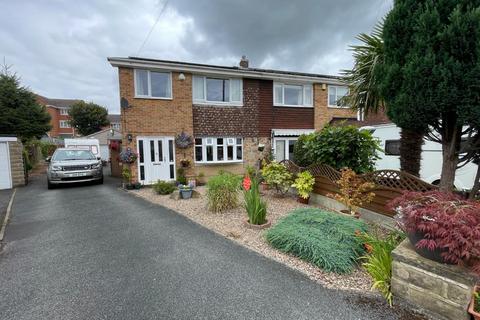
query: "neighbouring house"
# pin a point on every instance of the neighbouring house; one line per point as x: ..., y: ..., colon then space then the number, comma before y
x: 236, y: 115
x: 104, y: 137
x: 12, y: 171
x: 58, y: 110
x: 115, y: 122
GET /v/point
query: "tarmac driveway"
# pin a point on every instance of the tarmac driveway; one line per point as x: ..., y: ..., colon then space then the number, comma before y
x: 96, y: 252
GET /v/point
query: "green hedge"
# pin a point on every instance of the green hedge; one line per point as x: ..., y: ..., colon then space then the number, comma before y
x: 323, y: 238
x: 339, y: 147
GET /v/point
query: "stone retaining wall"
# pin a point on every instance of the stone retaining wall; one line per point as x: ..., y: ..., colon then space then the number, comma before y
x: 16, y: 163
x: 440, y: 289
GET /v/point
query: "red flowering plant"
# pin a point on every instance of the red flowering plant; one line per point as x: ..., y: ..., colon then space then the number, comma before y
x: 255, y: 206
x: 443, y: 222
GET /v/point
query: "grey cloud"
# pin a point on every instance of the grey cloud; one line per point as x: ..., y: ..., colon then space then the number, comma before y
x: 59, y: 48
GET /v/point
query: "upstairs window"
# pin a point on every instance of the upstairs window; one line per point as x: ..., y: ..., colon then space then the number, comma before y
x: 115, y: 125
x: 152, y: 84
x: 217, y: 90
x: 292, y: 95
x: 64, y: 111
x: 64, y: 124
x: 335, y: 94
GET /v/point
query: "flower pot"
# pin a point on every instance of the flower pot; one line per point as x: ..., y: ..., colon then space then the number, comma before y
x: 247, y: 223
x: 434, y: 255
x: 303, y: 200
x: 130, y: 186
x: 356, y: 215
x: 471, y: 306
x: 264, y: 186
x: 186, y: 194
x: 138, y: 185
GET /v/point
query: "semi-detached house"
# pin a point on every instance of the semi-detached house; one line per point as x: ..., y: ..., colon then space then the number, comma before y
x: 235, y: 115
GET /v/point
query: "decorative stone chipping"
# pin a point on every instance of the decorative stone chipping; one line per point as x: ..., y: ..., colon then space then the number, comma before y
x: 16, y: 163
x: 440, y: 289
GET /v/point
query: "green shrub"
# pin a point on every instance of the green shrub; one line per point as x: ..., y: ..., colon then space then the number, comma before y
x: 181, y: 179
x: 323, y: 238
x: 222, y: 191
x: 339, y: 147
x: 277, y: 176
x: 304, y: 184
x: 163, y: 187
x: 255, y: 206
x: 378, y: 261
x: 47, y: 148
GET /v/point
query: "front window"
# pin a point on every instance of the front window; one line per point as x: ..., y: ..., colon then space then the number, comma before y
x: 283, y: 148
x: 64, y: 111
x: 292, y: 95
x: 218, y: 149
x: 335, y: 95
x: 66, y: 155
x: 64, y: 124
x: 115, y: 125
x: 152, y: 84
x: 217, y: 90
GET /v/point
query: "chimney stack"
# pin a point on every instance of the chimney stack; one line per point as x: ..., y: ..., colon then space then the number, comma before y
x: 244, y: 62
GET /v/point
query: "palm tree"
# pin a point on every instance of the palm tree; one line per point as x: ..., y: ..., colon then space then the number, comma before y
x: 365, y: 95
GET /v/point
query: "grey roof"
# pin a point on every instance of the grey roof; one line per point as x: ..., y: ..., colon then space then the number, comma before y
x: 58, y: 103
x: 272, y: 71
x: 114, y: 117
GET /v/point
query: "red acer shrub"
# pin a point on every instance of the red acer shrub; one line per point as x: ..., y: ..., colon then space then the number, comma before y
x: 446, y: 222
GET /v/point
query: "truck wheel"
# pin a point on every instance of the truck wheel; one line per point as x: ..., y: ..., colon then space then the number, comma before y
x: 50, y: 186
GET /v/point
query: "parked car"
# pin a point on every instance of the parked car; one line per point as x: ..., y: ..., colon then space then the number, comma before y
x: 72, y: 165
x: 431, y: 163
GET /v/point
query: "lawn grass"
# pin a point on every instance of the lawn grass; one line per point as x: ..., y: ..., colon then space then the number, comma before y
x: 325, y: 239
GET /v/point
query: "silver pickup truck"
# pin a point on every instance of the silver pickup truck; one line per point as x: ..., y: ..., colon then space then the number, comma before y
x: 73, y: 165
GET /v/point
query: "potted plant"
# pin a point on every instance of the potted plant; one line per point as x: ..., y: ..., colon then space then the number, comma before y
x: 277, y: 176
x: 126, y: 175
x: 185, y: 191
x: 474, y: 307
x: 256, y: 207
x: 354, y: 192
x: 441, y: 226
x: 304, y: 185
x: 137, y: 185
x: 201, y: 179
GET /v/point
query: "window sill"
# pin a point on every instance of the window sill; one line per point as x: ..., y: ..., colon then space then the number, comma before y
x: 218, y: 162
x: 217, y: 104
x: 151, y: 98
x: 291, y: 106
x: 337, y: 107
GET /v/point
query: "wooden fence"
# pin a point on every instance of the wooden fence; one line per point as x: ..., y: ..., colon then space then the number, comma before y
x: 389, y: 184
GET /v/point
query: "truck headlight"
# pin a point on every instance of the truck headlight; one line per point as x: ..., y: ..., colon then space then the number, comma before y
x: 56, y: 168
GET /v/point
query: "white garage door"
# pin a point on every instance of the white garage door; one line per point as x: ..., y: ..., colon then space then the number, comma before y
x: 5, y: 175
x: 105, y: 152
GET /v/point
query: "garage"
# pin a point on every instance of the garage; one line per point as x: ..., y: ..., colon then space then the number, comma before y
x: 11, y: 163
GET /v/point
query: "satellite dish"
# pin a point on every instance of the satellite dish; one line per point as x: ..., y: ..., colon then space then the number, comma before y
x: 124, y: 103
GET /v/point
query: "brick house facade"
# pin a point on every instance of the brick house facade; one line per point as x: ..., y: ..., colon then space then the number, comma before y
x: 58, y: 111
x: 235, y: 115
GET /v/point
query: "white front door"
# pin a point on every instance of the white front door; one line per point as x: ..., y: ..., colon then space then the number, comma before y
x: 5, y: 171
x: 156, y: 159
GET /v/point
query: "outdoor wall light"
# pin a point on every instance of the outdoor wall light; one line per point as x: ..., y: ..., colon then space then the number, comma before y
x: 111, y: 132
x: 324, y: 86
x: 129, y: 137
x: 261, y: 147
x: 181, y: 77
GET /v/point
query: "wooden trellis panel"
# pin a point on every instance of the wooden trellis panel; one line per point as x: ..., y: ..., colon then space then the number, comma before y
x: 389, y: 184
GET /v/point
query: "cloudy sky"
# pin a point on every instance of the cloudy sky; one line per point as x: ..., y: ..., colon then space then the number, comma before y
x: 59, y: 47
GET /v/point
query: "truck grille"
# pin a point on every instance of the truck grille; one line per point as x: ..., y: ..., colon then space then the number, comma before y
x: 76, y: 168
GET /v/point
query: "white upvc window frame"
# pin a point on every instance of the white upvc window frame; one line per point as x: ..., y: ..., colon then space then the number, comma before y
x: 220, y: 103
x: 286, y: 139
x: 64, y: 124
x: 212, y: 141
x: 63, y: 111
x: 330, y: 87
x: 282, y: 85
x: 115, y: 125
x: 149, y: 85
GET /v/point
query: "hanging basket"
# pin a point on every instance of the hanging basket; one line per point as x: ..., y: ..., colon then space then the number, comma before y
x: 183, y: 140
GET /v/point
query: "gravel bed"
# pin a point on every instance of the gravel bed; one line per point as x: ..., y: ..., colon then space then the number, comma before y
x: 231, y: 225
